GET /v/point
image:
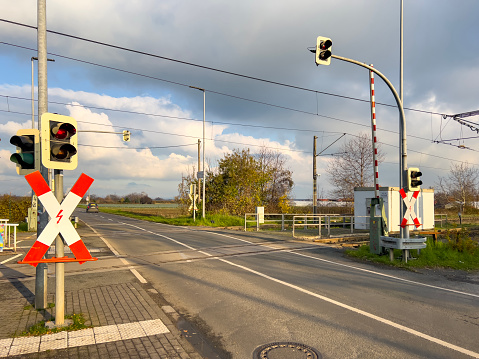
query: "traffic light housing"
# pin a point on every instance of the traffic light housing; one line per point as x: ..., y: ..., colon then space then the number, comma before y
x: 414, y: 179
x: 323, y: 50
x: 27, y: 157
x: 59, y: 142
x: 126, y: 136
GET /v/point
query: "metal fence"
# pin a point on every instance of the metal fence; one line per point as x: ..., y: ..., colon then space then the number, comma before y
x: 441, y: 220
x: 304, y: 225
x: 9, y: 234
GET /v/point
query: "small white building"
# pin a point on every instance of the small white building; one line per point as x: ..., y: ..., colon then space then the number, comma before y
x: 423, y: 207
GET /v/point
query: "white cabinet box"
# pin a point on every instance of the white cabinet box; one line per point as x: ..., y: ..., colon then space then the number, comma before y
x: 423, y: 208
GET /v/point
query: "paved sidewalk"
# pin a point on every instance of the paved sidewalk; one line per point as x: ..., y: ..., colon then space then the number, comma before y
x: 126, y: 323
x: 126, y: 316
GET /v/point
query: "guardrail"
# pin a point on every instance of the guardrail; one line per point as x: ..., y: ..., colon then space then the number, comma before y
x: 405, y: 244
x: 9, y: 234
x: 280, y: 220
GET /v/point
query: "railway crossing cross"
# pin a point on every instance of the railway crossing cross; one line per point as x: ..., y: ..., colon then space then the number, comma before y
x: 410, y: 210
x: 60, y: 219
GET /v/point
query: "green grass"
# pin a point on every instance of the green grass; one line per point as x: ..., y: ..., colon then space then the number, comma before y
x: 41, y: 329
x: 215, y: 220
x: 440, y: 255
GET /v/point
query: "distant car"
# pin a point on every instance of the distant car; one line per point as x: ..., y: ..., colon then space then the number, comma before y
x: 92, y: 207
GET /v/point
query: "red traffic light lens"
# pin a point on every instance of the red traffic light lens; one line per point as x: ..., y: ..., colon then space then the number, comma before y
x: 63, y: 131
x: 326, y: 44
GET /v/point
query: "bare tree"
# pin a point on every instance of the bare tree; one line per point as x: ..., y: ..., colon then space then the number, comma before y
x: 461, y: 185
x: 353, y: 167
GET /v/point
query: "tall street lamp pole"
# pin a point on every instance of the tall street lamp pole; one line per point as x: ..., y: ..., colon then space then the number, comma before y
x: 204, y: 172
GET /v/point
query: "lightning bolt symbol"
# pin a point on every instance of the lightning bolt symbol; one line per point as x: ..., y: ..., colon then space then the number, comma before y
x: 59, y: 216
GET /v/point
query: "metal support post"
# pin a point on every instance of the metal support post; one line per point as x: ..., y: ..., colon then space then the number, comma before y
x: 199, y: 169
x: 59, y: 267
x: 315, y: 176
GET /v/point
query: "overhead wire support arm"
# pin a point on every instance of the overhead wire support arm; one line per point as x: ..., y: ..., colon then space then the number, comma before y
x: 460, y: 118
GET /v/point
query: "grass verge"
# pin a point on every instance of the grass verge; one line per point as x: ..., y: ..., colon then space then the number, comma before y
x: 41, y: 329
x: 215, y: 220
x: 435, y: 255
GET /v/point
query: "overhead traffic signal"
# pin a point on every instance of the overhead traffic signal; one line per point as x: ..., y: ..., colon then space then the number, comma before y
x: 126, y: 135
x: 27, y: 156
x: 59, y: 141
x: 414, y: 179
x: 323, y: 50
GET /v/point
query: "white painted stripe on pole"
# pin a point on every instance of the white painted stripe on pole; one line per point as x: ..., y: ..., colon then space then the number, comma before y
x: 374, y: 138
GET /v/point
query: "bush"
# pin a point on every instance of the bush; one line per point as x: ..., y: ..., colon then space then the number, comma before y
x: 14, y: 208
x: 461, y: 241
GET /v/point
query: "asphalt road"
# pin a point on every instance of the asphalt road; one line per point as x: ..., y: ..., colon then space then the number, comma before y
x: 245, y: 290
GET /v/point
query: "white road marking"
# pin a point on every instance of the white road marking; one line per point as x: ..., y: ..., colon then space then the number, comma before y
x: 358, y: 268
x: 332, y: 301
x: 359, y: 311
x: 115, y: 252
x: 97, y: 335
x: 11, y: 258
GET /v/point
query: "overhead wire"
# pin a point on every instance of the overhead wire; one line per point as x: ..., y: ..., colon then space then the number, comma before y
x: 189, y: 64
x: 211, y: 91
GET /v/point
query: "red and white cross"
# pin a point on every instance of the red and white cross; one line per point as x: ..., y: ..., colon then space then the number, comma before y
x: 410, y: 210
x: 60, y: 217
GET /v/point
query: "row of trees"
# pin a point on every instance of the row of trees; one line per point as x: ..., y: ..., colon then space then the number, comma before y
x: 137, y: 198
x: 243, y: 181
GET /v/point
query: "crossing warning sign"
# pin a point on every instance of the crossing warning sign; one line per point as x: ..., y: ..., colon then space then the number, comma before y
x: 410, y: 210
x: 60, y: 219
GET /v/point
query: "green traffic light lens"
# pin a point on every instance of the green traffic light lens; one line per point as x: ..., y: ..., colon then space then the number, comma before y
x: 25, y: 160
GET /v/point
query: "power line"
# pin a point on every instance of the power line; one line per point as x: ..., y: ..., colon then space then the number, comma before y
x: 230, y: 123
x: 194, y: 65
x: 255, y: 145
x: 138, y: 148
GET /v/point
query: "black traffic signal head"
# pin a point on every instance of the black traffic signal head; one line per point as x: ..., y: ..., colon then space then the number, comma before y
x: 59, y: 141
x: 27, y: 156
x: 323, y: 50
x: 414, y: 179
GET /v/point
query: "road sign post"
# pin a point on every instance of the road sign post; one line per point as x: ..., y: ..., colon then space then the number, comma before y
x: 59, y: 224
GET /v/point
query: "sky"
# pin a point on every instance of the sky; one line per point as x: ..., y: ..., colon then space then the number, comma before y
x: 230, y: 49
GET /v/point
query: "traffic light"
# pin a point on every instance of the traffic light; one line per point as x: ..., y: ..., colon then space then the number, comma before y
x: 59, y: 142
x: 126, y: 135
x: 323, y: 50
x: 27, y: 156
x: 414, y: 179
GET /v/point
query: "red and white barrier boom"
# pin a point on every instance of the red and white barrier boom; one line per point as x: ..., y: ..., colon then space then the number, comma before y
x: 59, y: 222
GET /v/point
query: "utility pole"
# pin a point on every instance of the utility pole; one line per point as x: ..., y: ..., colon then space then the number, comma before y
x: 199, y: 170
x: 315, y: 176
x: 42, y: 268
x: 404, y: 231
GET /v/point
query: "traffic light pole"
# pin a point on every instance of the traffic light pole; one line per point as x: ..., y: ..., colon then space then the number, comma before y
x: 41, y: 269
x: 315, y: 176
x: 403, y: 173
